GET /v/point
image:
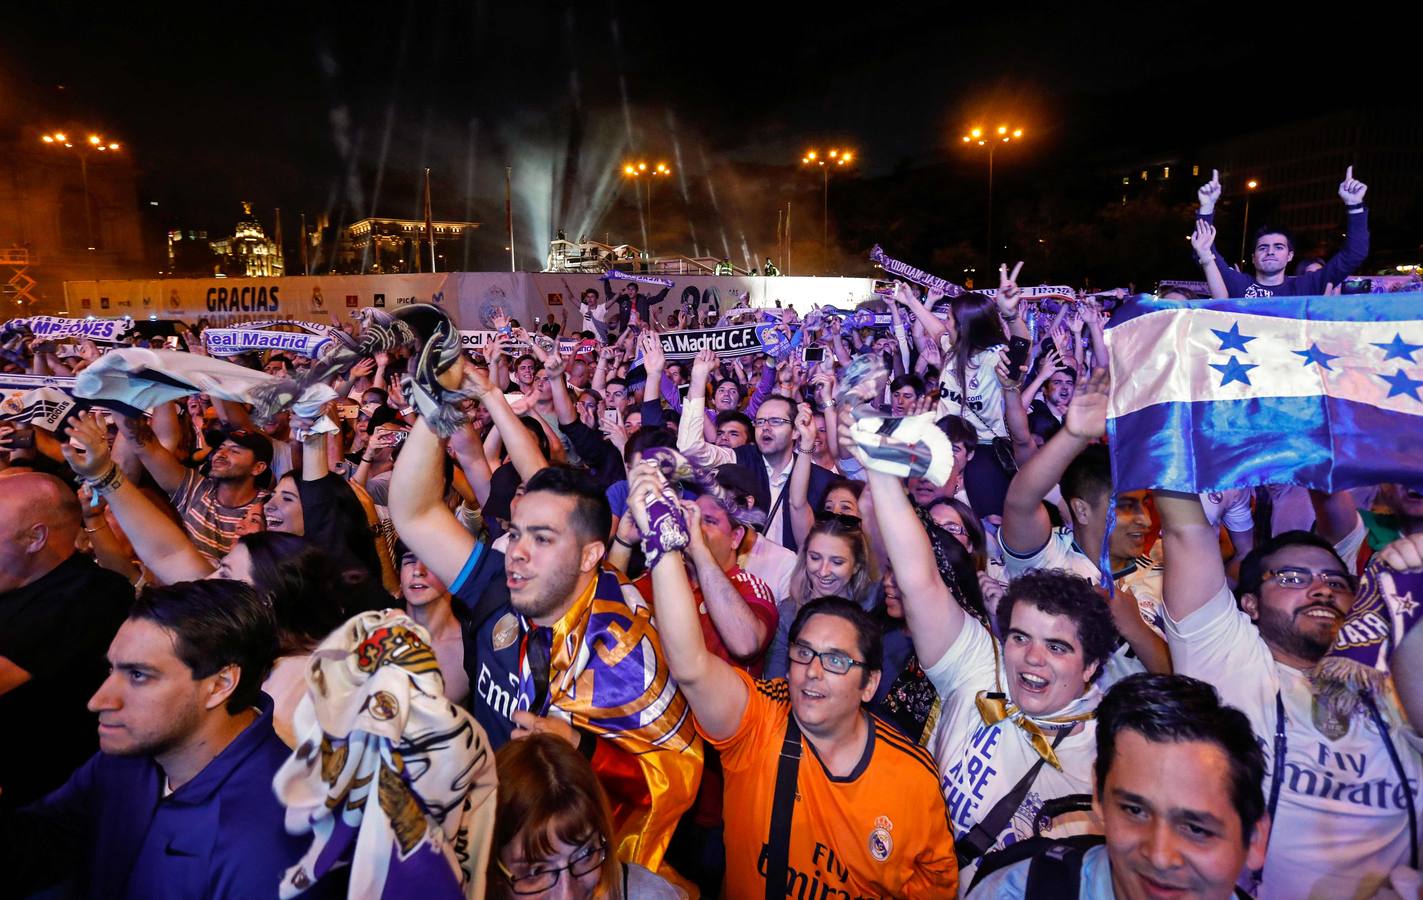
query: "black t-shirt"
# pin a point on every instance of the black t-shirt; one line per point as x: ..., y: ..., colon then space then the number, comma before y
x: 492, y: 641
x: 58, y: 628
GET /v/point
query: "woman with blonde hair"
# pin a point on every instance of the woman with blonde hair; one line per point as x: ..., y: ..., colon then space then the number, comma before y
x: 834, y: 561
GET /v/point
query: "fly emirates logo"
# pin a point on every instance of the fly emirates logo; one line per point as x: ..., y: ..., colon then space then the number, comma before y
x: 1339, y: 777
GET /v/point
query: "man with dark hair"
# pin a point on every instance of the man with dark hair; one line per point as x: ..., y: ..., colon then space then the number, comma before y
x: 1273, y: 249
x: 537, y: 611
x: 58, y: 612
x: 768, y: 457
x: 851, y: 770
x: 1016, y: 722
x: 213, y: 507
x: 1178, y: 788
x: 1073, y: 460
x: 733, y: 429
x: 904, y: 392
x: 179, y: 801
x: 1326, y: 767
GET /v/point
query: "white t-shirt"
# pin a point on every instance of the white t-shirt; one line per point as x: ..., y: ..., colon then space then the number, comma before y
x: 980, y: 763
x: 1229, y: 508
x: 1142, y: 578
x: 982, y: 404
x: 1341, y: 824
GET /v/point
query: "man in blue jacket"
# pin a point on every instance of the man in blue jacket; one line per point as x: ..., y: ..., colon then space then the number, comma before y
x: 178, y: 803
x: 1273, y: 249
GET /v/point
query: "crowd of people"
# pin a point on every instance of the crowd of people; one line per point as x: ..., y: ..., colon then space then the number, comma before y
x: 652, y: 627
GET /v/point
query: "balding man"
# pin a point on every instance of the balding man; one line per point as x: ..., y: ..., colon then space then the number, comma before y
x: 58, y: 613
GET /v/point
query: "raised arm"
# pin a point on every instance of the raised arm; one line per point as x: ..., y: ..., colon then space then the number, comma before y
x: 934, y: 619
x: 160, y: 463
x: 1203, y: 242
x: 691, y: 438
x: 1009, y: 298
x: 716, y: 693
x: 1191, y: 546
x: 1015, y: 413
x: 159, y: 541
x: 743, y: 633
x: 1026, y: 526
x: 416, y: 503
x: 798, y: 500
x: 931, y: 323
x: 523, y: 447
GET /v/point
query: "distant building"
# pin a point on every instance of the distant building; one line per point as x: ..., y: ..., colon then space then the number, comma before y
x: 378, y: 245
x: 249, y: 252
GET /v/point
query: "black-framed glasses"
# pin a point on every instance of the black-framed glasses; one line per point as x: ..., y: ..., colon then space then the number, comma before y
x: 773, y: 421
x: 833, y: 661
x: 1294, y: 577
x: 584, y: 862
x: 849, y: 521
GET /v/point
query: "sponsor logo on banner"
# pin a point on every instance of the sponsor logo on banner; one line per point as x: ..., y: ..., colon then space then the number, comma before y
x: 316, y: 299
x: 86, y: 303
x: 103, y: 302
x: 406, y: 301
x: 380, y: 300
x: 351, y: 301
x: 21, y: 399
x: 555, y: 299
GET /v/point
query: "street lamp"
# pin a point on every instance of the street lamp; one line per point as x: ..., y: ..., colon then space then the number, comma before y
x: 1250, y: 187
x: 93, y: 144
x: 1003, y: 134
x: 640, y: 170
x: 834, y: 158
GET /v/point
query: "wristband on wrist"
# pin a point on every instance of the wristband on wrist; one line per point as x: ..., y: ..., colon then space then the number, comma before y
x: 628, y: 544
x: 108, y: 482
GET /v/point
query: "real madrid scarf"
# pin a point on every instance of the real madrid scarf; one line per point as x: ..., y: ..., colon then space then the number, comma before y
x: 389, y: 777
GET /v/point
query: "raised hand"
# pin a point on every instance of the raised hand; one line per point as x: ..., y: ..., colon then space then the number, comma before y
x: 1093, y: 316
x: 363, y: 368
x: 1087, y: 413
x: 654, y: 359
x: 804, y: 428
x: 499, y: 319
x: 553, y: 363
x: 478, y: 382
x: 1202, y: 240
x: 1209, y: 193
x: 87, y: 450
x: 702, y: 364
x: 1009, y: 295
x: 1351, y: 190
x: 1074, y: 320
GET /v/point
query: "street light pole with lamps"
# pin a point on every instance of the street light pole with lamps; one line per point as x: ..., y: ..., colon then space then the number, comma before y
x: 93, y: 143
x: 991, y: 141
x: 1250, y: 187
x: 834, y: 158
x: 638, y: 170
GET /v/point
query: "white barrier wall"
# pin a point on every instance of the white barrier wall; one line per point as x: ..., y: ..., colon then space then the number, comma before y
x: 471, y: 297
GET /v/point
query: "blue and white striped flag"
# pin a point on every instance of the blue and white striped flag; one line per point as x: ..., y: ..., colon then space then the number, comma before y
x: 1325, y: 392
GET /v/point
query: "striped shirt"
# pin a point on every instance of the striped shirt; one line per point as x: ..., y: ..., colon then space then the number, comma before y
x: 214, y: 528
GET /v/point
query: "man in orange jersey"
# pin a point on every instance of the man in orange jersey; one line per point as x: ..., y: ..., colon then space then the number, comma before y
x: 865, y: 815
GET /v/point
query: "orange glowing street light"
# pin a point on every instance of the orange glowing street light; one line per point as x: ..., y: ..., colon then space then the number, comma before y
x: 637, y: 170
x: 96, y: 142
x: 835, y: 157
x: 1005, y: 134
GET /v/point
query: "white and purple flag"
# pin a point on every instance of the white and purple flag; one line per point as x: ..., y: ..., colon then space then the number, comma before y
x: 1324, y: 392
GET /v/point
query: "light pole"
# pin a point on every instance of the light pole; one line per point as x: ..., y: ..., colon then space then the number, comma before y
x: 94, y: 143
x: 834, y: 158
x: 977, y: 136
x: 1250, y: 187
x: 639, y: 170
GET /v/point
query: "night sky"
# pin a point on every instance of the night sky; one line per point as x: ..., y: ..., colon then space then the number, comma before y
x: 337, y: 109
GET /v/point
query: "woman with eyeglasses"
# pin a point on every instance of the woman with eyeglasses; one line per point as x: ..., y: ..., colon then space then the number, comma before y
x: 552, y: 830
x: 955, y: 517
x: 834, y: 561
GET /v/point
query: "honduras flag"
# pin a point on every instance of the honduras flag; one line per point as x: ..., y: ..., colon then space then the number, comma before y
x: 1324, y: 392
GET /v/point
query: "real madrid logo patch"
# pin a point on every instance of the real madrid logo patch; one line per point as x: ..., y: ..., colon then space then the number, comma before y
x: 881, y: 844
x: 506, y: 631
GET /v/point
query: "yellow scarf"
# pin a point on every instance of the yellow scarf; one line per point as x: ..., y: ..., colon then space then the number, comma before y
x: 994, y: 706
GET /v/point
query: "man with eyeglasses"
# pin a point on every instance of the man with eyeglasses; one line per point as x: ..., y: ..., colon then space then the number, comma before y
x: 865, y: 814
x: 1362, y: 769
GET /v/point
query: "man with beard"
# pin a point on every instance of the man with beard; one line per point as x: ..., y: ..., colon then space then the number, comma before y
x: 533, y: 612
x: 1273, y: 249
x: 1294, y: 593
x: 213, y: 508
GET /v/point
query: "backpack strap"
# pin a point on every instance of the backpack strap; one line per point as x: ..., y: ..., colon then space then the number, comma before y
x: 982, y: 836
x: 1056, y: 874
x: 778, y: 842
